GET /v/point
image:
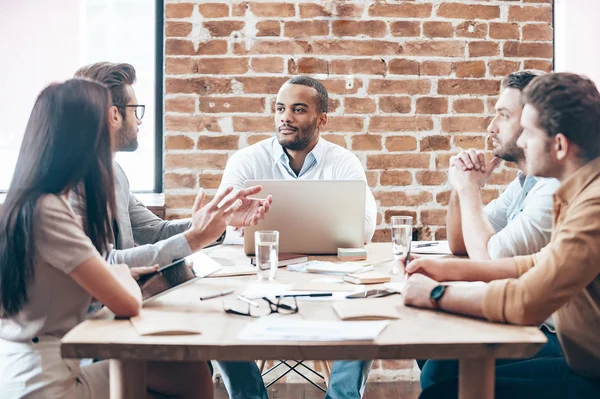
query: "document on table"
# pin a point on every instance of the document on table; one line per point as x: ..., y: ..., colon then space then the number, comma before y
x: 286, y: 329
x: 323, y: 267
x: 431, y: 248
x: 256, y: 291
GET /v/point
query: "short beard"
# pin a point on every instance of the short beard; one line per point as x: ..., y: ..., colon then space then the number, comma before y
x: 125, y: 144
x: 303, y: 139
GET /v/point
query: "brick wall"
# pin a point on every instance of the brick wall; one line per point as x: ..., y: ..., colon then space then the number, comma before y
x: 410, y: 83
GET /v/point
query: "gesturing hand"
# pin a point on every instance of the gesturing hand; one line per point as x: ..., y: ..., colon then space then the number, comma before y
x: 251, y: 210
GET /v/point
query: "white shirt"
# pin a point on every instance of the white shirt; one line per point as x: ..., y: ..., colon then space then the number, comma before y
x: 267, y: 160
x: 522, y: 217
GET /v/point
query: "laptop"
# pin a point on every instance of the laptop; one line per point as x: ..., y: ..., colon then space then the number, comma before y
x: 177, y: 274
x: 312, y: 216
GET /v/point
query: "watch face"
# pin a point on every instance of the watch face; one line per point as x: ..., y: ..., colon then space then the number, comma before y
x: 437, y: 292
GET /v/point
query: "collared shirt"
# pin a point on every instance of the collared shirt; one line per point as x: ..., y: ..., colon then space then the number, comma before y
x: 267, y: 160
x: 562, y: 279
x: 521, y: 216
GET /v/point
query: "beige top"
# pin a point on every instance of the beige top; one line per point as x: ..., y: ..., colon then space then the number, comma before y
x: 564, y: 277
x: 55, y: 302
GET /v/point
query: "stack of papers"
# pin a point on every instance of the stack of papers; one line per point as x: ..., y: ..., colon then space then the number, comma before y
x: 286, y: 329
x: 322, y: 267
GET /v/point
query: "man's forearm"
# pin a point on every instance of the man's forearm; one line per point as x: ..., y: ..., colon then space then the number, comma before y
x: 465, y: 300
x: 476, y: 228
x: 454, y: 226
x: 484, y: 270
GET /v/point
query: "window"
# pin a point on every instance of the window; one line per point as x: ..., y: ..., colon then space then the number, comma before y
x: 51, y: 40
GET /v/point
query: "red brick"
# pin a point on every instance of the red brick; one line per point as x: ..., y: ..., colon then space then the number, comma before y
x: 239, y: 9
x: 217, y: 142
x: 307, y: 65
x: 468, y: 11
x: 333, y: 104
x: 344, y: 124
x: 232, y: 104
x: 174, y: 201
x: 253, y: 124
x: 534, y: 50
x: 401, y: 66
x: 349, y: 10
x: 397, y: 161
x: 357, y: 28
x: 456, y: 124
x: 180, y: 66
x: 372, y: 179
x: 177, y: 29
x: 469, y: 69
x: 366, y: 142
x: 442, y: 159
x: 405, y: 28
x: 354, y: 47
x: 358, y: 65
x: 180, y: 180
x: 214, y: 10
x: 395, y: 178
x: 402, y: 10
x: 502, y: 67
x: 400, y: 123
x: 338, y: 139
x: 400, y: 143
x: 181, y: 10
x: 394, y: 104
x: 468, y: 86
x: 431, y: 177
x: 273, y: 9
x: 491, y: 104
x: 403, y: 198
x: 186, y: 47
x: 432, y: 105
x: 222, y: 66
x: 180, y: 104
x: 502, y: 177
x: 339, y: 86
x: 468, y: 106
x: 435, y: 143
x: 287, y: 47
x: 386, y: 86
x: 479, y: 29
x: 435, y: 217
x: 503, y: 30
x: 435, y: 68
x: 542, y: 65
x: 537, y: 32
x: 440, y: 234
x: 200, y: 86
x: 483, y: 49
x: 438, y: 29
x: 261, y: 85
x: 443, y: 198
x: 306, y: 28
x: 466, y: 142
x: 530, y: 13
x: 313, y: 10
x: 359, y: 105
x: 191, y: 123
x: 382, y: 235
x: 434, y: 48
x: 179, y: 142
x: 268, y: 28
x: 255, y: 138
x: 223, y: 28
x: 196, y: 161
x: 267, y: 65
x: 210, y: 180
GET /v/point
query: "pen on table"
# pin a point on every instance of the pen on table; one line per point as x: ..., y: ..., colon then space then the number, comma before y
x: 216, y: 295
x: 248, y: 301
x: 406, y: 262
x: 429, y: 244
x: 312, y: 295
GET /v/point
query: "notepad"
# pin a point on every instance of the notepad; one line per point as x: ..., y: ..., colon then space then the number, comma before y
x: 351, y: 254
x: 157, y: 322
x: 372, y: 277
x: 229, y: 271
x: 366, y: 309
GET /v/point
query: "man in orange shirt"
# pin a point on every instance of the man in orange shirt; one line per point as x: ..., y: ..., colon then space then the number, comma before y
x: 561, y: 139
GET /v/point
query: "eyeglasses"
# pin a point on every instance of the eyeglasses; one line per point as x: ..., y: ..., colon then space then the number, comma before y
x: 140, y: 110
x: 245, y: 307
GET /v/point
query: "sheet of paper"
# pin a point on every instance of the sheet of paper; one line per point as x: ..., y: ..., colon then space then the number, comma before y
x: 233, y: 237
x: 227, y: 255
x: 323, y: 267
x: 165, y: 322
x: 431, y: 247
x: 203, y: 264
x: 229, y: 271
x: 256, y: 291
x: 282, y: 329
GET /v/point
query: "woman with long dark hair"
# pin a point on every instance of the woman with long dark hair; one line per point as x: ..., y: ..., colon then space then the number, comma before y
x: 51, y: 262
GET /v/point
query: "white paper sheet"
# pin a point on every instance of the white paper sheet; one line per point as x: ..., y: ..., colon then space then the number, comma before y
x: 323, y: 267
x: 439, y: 248
x: 287, y: 329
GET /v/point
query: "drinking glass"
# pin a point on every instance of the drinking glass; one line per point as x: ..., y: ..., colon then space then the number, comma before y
x: 401, y: 239
x: 267, y: 251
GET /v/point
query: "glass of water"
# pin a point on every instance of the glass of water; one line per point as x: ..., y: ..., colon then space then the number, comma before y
x: 401, y: 239
x: 267, y: 254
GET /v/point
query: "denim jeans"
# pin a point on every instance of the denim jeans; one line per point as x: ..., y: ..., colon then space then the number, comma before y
x: 242, y: 380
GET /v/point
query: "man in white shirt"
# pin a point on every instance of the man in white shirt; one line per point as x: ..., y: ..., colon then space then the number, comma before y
x: 519, y: 221
x: 298, y: 152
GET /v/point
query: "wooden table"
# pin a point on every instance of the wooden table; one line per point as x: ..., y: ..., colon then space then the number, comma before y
x: 419, y: 334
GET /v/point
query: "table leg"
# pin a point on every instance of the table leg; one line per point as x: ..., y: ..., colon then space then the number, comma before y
x: 127, y: 379
x: 476, y: 378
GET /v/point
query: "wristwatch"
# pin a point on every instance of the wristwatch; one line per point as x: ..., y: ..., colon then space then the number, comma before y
x: 436, y: 295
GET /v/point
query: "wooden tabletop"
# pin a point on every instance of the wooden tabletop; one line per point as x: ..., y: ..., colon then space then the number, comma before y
x: 417, y: 334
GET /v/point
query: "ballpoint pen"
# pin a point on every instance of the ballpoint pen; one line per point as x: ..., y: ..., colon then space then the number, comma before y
x: 216, y: 295
x: 429, y: 244
x: 312, y: 295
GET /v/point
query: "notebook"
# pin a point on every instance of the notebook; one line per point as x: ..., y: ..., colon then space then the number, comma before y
x: 169, y: 322
x: 372, y: 277
x: 286, y: 259
x: 366, y: 309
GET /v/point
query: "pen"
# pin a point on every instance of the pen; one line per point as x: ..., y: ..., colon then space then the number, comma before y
x: 248, y: 301
x: 216, y: 295
x: 313, y: 295
x: 429, y: 244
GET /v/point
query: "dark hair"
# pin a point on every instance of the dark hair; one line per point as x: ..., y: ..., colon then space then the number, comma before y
x: 519, y: 80
x: 115, y: 76
x: 568, y: 103
x: 322, y: 96
x: 66, y: 146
